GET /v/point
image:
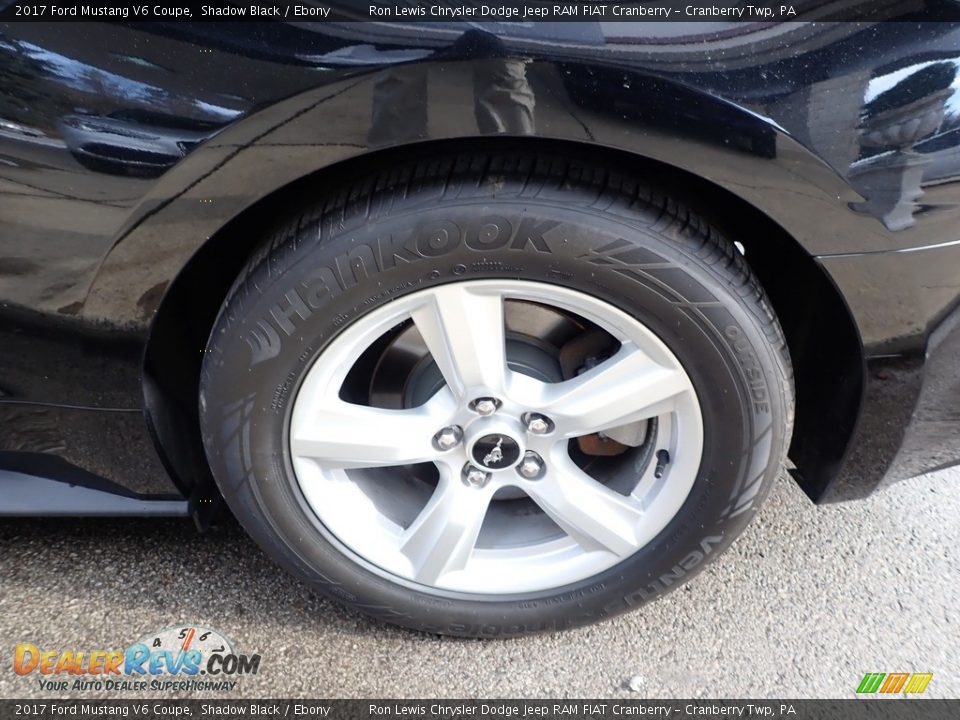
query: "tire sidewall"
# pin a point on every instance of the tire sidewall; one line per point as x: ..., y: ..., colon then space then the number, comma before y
x: 641, y: 261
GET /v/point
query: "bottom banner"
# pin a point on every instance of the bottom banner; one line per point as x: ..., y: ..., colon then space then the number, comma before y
x: 907, y: 709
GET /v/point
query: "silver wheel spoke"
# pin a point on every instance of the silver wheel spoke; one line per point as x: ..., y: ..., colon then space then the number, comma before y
x: 464, y: 331
x: 443, y: 536
x: 627, y: 387
x: 591, y: 513
x: 357, y: 436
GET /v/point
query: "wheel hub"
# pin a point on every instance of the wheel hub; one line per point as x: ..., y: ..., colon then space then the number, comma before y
x: 496, y: 451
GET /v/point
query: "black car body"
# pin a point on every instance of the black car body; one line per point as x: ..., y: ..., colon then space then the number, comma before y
x: 139, y: 162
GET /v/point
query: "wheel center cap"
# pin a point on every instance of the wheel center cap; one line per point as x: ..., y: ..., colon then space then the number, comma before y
x: 496, y: 451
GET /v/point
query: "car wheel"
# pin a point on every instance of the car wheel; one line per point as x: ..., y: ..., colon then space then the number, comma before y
x: 492, y: 395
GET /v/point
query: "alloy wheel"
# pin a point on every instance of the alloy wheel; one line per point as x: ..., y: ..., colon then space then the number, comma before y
x: 489, y: 471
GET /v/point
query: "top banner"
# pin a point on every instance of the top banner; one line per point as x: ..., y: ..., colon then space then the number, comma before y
x: 471, y: 11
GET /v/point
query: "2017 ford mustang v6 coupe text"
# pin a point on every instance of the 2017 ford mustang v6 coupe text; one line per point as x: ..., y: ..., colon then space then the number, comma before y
x: 482, y: 329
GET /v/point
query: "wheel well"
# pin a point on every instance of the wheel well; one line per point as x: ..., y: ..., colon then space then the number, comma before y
x: 821, y: 335
x: 823, y: 339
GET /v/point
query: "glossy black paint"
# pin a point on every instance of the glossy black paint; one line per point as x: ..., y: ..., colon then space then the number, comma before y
x: 139, y: 164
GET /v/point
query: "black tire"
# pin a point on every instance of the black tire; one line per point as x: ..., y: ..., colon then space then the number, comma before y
x: 573, y: 224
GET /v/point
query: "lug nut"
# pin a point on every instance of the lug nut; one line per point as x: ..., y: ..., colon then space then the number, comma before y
x: 448, y: 437
x: 531, y: 467
x: 485, y: 406
x: 475, y: 477
x: 538, y: 424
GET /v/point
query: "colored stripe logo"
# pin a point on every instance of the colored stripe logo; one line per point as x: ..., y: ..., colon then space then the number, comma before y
x: 893, y: 683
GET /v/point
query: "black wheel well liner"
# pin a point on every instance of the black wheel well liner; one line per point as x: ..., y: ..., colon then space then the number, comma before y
x: 822, y: 337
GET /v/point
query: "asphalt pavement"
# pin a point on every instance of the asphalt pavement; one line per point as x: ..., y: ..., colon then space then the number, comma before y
x: 805, y: 602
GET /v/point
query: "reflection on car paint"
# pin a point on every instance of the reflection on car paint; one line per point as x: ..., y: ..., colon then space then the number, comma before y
x: 124, y: 147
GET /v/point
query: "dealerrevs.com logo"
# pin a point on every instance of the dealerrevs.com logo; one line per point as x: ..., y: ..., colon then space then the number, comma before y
x: 186, y: 658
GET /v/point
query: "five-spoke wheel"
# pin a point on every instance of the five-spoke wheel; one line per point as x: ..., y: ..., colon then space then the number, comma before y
x: 493, y: 435
x: 492, y: 395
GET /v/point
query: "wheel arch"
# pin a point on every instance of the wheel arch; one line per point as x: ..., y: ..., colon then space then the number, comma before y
x: 821, y: 334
